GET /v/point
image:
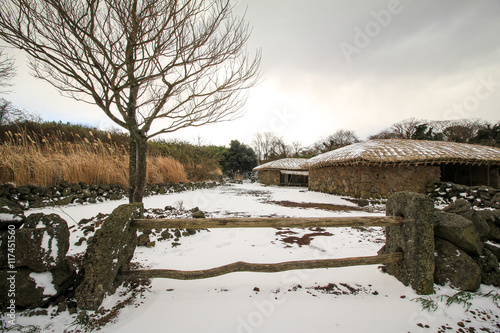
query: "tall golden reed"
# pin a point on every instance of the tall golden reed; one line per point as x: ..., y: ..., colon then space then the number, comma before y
x: 26, y: 159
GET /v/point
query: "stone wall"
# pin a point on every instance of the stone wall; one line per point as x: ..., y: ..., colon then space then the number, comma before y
x: 31, y: 196
x: 478, y: 196
x: 467, y: 246
x: 373, y: 181
x: 269, y: 177
x: 457, y: 245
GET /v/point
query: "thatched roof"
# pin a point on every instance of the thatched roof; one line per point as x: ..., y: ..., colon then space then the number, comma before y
x: 400, y: 151
x: 284, y: 164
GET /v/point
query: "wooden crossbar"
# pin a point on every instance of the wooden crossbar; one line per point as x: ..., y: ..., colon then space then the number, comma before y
x: 269, y: 222
x: 241, y: 266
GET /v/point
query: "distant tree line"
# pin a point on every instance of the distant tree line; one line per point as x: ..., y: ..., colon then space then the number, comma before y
x: 473, y: 131
x: 269, y: 147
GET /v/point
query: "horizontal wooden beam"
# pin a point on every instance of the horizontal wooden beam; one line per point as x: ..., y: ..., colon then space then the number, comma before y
x: 241, y: 266
x: 269, y: 222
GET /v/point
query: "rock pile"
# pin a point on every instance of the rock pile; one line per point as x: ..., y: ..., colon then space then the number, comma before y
x: 467, y: 246
x: 149, y: 237
x: 33, y: 260
x: 478, y: 196
x: 110, y: 252
x: 458, y: 245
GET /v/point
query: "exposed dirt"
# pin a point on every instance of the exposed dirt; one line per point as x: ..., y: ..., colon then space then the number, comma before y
x: 323, y: 206
x: 303, y: 240
x: 341, y: 289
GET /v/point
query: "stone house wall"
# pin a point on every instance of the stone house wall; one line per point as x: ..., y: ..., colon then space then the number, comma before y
x: 269, y: 177
x: 373, y: 181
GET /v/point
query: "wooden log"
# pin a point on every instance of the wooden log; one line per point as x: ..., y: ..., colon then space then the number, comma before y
x: 241, y: 266
x: 269, y: 222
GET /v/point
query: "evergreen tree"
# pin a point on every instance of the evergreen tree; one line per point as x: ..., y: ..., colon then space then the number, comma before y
x: 239, y: 158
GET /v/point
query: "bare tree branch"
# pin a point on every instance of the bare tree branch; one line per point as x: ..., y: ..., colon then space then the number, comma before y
x: 7, y: 70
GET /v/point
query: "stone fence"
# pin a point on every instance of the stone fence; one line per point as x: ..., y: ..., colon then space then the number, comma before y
x: 478, y: 196
x: 464, y: 242
x: 32, y: 196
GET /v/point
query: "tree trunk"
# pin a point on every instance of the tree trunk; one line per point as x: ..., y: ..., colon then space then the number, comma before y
x: 137, y: 166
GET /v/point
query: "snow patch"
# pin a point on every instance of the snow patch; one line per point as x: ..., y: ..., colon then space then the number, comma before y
x: 9, y: 217
x: 46, y: 242
x: 493, y: 244
x: 44, y: 280
x: 49, y: 245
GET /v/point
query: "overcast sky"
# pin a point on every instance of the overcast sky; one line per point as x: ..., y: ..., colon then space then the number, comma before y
x: 329, y: 65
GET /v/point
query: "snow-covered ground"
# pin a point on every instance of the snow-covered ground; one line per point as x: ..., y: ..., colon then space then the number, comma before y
x: 352, y: 299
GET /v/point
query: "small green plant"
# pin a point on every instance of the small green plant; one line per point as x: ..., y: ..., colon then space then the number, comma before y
x: 462, y: 297
x: 82, y: 323
x: 427, y: 303
x: 20, y: 329
x: 495, y: 297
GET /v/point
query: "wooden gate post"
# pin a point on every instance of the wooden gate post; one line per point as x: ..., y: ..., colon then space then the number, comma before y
x: 415, y: 238
x: 108, y: 254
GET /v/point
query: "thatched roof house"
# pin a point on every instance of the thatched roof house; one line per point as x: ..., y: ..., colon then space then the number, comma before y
x: 379, y: 167
x: 287, y: 171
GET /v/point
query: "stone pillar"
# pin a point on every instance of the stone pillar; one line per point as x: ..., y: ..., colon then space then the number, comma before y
x: 415, y: 238
x: 109, y: 253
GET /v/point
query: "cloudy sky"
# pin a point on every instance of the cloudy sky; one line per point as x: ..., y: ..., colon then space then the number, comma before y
x: 329, y: 65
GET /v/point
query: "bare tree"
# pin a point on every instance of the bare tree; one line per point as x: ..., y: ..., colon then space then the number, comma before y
x: 405, y: 129
x: 170, y: 63
x: 336, y: 140
x: 7, y: 70
x: 279, y: 148
x: 265, y: 146
x: 384, y: 134
x: 258, y: 146
x: 296, y: 149
x: 464, y: 130
x: 10, y: 114
x: 6, y: 111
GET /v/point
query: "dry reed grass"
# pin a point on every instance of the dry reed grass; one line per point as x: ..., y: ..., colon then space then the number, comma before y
x: 163, y: 169
x: 26, y: 158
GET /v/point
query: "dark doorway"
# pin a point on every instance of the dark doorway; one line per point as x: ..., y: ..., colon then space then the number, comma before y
x: 464, y: 174
x: 288, y: 179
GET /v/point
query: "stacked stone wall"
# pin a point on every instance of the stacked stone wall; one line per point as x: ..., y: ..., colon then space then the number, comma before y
x: 269, y: 177
x: 31, y: 196
x: 478, y: 196
x: 457, y: 245
x: 373, y: 181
